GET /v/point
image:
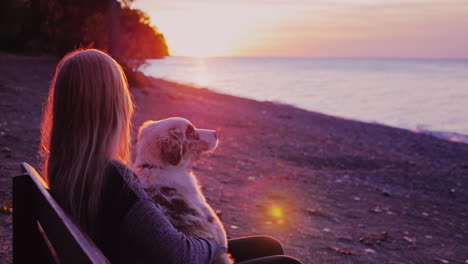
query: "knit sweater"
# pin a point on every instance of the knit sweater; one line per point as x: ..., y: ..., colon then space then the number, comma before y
x: 132, y: 229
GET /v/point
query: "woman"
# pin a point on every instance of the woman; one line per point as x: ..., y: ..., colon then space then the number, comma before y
x: 85, y: 144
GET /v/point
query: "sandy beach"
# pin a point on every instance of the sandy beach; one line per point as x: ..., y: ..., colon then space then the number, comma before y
x: 342, y: 191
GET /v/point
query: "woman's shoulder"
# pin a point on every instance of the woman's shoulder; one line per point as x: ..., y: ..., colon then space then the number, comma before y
x: 120, y: 192
x: 118, y: 167
x: 120, y: 179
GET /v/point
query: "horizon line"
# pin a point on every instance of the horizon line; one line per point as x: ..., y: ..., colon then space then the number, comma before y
x: 326, y: 57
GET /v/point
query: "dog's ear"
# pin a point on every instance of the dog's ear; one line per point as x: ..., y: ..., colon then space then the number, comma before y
x: 171, y: 151
x: 142, y: 128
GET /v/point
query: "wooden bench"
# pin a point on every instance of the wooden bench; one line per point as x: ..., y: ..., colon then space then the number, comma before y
x: 42, y: 231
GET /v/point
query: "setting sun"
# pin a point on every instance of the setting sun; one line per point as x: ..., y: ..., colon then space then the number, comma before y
x: 206, y: 30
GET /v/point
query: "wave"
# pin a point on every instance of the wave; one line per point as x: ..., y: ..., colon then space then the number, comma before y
x: 450, y: 136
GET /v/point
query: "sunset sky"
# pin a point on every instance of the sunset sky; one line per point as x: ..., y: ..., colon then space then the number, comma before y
x: 313, y: 28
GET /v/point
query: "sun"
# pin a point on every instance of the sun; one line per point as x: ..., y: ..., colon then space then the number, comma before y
x: 206, y: 30
x: 214, y: 28
x: 197, y: 46
x: 203, y: 34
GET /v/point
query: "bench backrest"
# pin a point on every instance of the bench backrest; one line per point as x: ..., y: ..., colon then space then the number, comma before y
x: 42, y: 231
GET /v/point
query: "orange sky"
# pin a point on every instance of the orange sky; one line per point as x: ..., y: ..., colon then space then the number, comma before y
x: 313, y: 28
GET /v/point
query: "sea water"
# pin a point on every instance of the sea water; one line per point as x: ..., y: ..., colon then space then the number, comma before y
x: 427, y: 95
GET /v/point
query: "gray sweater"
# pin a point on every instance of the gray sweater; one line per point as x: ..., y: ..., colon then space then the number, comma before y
x: 132, y: 229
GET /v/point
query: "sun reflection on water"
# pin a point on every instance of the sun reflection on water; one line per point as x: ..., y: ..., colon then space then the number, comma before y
x: 200, y: 76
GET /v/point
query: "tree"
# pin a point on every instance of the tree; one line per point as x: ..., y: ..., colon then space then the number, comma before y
x: 59, y: 26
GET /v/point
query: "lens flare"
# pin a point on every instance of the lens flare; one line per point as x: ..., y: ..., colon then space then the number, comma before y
x: 276, y: 211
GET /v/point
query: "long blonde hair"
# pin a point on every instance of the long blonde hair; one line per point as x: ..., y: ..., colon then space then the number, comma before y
x: 88, y: 103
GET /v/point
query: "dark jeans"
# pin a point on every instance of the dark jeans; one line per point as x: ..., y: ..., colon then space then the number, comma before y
x: 258, y: 250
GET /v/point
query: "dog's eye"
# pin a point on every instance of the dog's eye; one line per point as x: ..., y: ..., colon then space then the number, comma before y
x: 190, y: 133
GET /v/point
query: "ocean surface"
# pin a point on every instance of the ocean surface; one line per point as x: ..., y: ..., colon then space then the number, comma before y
x: 429, y: 96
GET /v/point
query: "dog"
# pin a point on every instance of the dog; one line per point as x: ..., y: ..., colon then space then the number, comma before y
x: 165, y: 153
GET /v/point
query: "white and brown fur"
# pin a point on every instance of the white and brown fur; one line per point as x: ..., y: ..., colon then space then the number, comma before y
x: 165, y: 153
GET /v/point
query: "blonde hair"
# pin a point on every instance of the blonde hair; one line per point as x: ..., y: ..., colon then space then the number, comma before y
x: 88, y: 102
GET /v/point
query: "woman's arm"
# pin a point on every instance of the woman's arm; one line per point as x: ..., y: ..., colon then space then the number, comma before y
x: 154, y: 236
x: 145, y: 230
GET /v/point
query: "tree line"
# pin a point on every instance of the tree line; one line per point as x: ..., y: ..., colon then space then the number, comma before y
x: 56, y: 27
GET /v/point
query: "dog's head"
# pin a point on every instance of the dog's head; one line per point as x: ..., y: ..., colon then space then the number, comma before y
x: 173, y: 141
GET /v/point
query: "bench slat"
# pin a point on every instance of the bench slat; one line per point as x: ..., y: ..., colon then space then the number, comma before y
x: 69, y: 242
x: 27, y: 240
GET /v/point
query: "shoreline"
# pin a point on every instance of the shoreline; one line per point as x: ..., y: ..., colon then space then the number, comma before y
x: 368, y: 91
x: 339, y: 183
x: 419, y: 129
